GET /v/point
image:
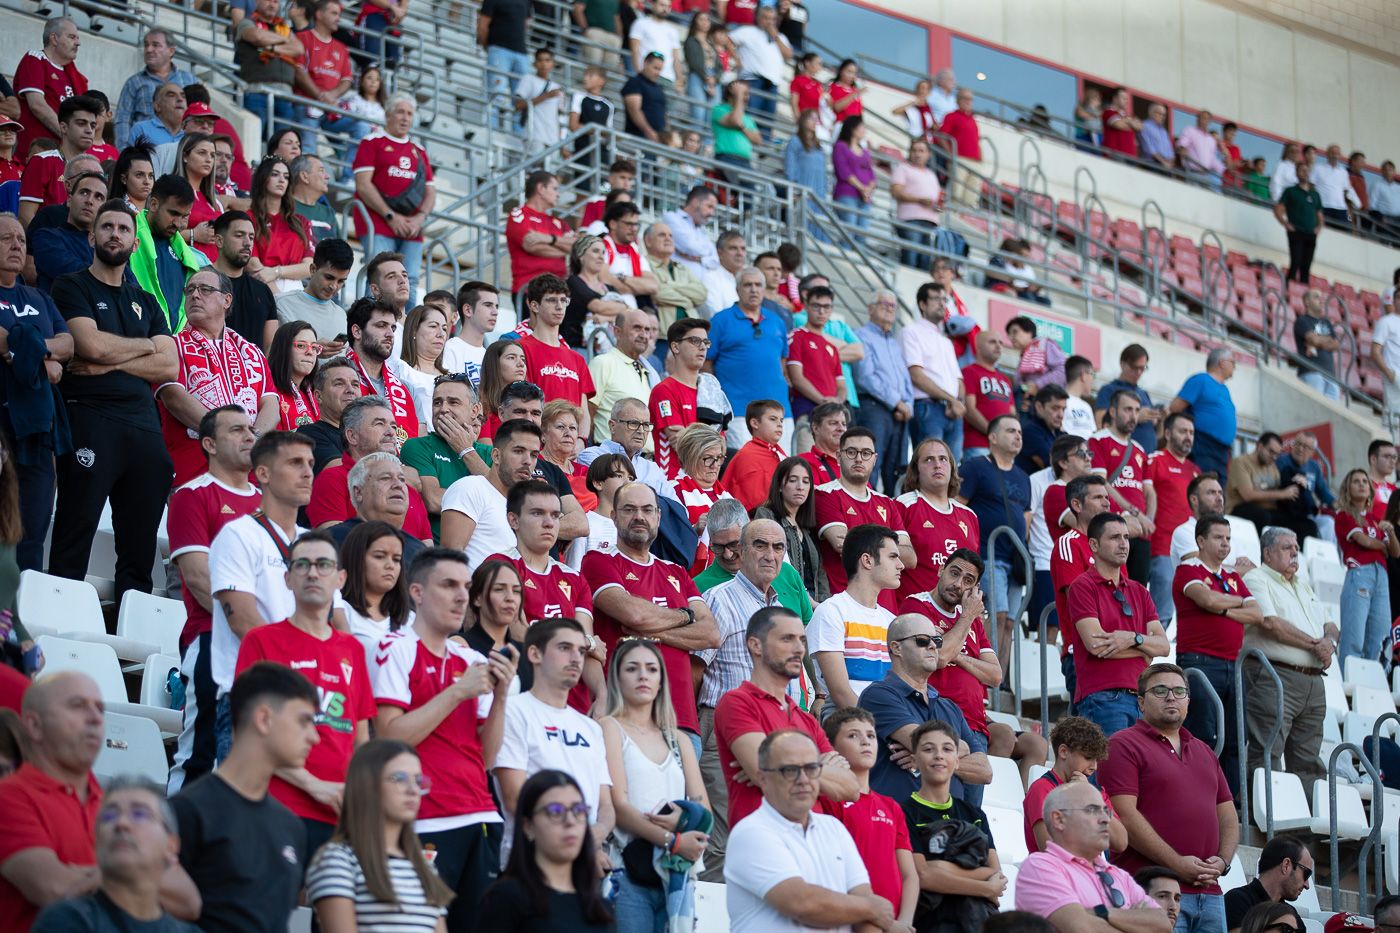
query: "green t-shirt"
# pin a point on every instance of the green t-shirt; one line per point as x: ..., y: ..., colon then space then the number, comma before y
x: 728, y: 140
x: 431, y: 456
x: 322, y: 218
x: 1301, y: 208
x: 601, y: 14
x: 791, y: 593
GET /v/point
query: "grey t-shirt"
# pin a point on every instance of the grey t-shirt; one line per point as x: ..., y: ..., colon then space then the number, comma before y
x: 326, y: 317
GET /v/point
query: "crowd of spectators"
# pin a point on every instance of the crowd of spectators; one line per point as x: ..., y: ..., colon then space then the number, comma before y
x: 681, y: 578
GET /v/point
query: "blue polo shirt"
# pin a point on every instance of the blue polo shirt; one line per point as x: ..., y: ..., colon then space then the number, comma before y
x: 895, y: 704
x: 748, y: 358
x: 1211, y: 407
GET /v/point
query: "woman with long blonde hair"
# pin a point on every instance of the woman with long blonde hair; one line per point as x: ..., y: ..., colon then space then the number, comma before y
x: 1366, y: 589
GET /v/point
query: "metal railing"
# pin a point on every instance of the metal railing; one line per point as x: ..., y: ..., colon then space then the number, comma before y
x: 1017, y: 545
x: 1241, y: 738
x: 1208, y: 690
x: 1372, y: 837
x: 1378, y: 804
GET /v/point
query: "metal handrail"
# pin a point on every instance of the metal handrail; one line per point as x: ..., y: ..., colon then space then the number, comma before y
x: 1196, y: 674
x: 1372, y: 837
x: 1378, y: 806
x: 1004, y: 531
x: 1043, y: 627
x: 1241, y: 736
x: 1349, y: 340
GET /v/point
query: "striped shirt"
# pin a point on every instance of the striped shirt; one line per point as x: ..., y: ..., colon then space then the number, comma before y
x: 335, y: 872
x: 729, y: 665
x: 842, y: 625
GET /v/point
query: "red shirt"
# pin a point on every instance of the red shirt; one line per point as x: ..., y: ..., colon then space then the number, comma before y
x: 409, y: 677
x: 103, y: 152
x: 592, y: 211
x: 336, y: 668
x: 1384, y: 490
x: 747, y: 709
x: 837, y: 507
x: 1069, y: 558
x: 11, y: 170
x: 877, y: 826
x: 200, y: 211
x: 525, y: 266
x: 1124, y: 141
x: 663, y: 583
x: 36, y: 72
x: 42, y: 813
x: 42, y: 182
x: 950, y: 681
x: 560, y: 371
x: 808, y: 91
x: 934, y: 534
x: 825, y: 467
x: 672, y: 404
x: 278, y: 244
x: 820, y: 364
x: 1034, y: 807
x: 1176, y: 793
x: 1090, y: 596
x: 750, y: 472
x: 327, y: 60
x: 740, y: 13
x: 392, y: 164
x: 1169, y: 478
x: 840, y: 92
x: 1106, y: 452
x: 330, y: 501
x: 989, y: 393
x: 198, y: 511
x: 1347, y: 528
x: 13, y: 685
x: 558, y: 592
x: 963, y: 128
x: 1055, y: 504
x: 1199, y: 631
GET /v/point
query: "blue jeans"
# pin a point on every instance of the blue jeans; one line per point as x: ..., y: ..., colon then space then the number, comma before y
x: 1006, y: 598
x: 375, y: 25
x: 1110, y: 710
x: 1321, y: 383
x: 917, y: 233
x: 890, y: 441
x: 223, y: 728
x: 506, y: 68
x: 1365, y: 612
x: 931, y: 420
x: 1211, y: 455
x: 702, y: 98
x: 695, y: 742
x: 854, y: 211
x: 763, y: 105
x: 1210, y: 179
x: 639, y: 909
x: 284, y: 112
x: 1201, y: 913
x: 972, y: 793
x: 1200, y: 715
x: 412, y: 252
x: 334, y: 122
x: 1160, y: 585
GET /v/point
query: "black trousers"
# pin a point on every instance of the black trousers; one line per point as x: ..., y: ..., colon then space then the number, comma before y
x: 1300, y: 255
x: 467, y: 859
x: 112, y: 461
x: 34, y: 467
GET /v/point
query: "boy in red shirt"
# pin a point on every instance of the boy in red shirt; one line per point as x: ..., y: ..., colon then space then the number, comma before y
x: 549, y: 362
x: 875, y: 821
x: 750, y: 472
x: 813, y: 365
x: 675, y: 399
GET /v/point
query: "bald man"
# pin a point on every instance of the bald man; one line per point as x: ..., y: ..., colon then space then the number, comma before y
x: 625, y: 371
x: 48, y: 850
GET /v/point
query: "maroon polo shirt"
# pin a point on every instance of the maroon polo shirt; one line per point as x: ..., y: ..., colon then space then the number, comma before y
x: 745, y: 709
x: 1091, y: 597
x: 1200, y: 632
x: 1176, y: 794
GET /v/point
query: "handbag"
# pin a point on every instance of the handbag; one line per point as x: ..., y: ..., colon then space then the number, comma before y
x: 408, y: 200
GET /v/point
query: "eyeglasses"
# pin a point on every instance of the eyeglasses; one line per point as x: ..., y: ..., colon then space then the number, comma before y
x: 1115, y: 896
x: 403, y: 779
x: 712, y: 461
x: 700, y: 342
x: 137, y: 813
x: 923, y: 641
x: 812, y: 770
x: 1162, y: 691
x: 820, y: 305
x: 1224, y: 583
x: 204, y: 290
x: 640, y: 370
x: 634, y: 425
x: 301, y: 346
x: 304, y: 564
x: 1123, y: 603
x: 1096, y: 810
x: 558, y: 813
x: 858, y: 453
x: 724, y: 548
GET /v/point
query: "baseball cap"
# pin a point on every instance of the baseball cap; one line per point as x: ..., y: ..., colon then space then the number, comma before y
x: 1351, y: 923
x: 16, y: 125
x: 196, y: 110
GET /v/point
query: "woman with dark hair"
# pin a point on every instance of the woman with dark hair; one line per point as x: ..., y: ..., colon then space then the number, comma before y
x: 195, y: 161
x: 284, y: 145
x: 372, y: 874
x: 291, y: 359
x: 281, y: 246
x: 938, y: 524
x: 425, y: 333
x: 792, y: 504
x: 375, y: 593
x: 550, y: 884
x: 701, y: 66
x: 854, y: 172
x: 606, y: 474
x: 1271, y: 917
x: 502, y: 364
x: 804, y: 162
x: 495, y: 599
x: 133, y: 176
x: 845, y: 91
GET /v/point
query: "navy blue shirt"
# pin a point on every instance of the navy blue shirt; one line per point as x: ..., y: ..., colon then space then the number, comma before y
x: 24, y: 305
x: 1036, y: 441
x: 983, y: 485
x: 1146, y: 432
x: 895, y: 704
x: 59, y: 251
x: 653, y: 105
x: 171, y: 275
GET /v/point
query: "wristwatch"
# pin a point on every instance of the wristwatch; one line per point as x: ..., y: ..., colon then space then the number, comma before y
x: 689, y: 615
x: 1137, y: 641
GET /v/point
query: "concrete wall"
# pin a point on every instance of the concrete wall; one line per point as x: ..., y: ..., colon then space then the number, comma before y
x: 1374, y: 24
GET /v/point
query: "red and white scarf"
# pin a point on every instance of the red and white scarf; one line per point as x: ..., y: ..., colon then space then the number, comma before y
x: 227, y: 371
x: 925, y: 113
x: 297, y: 409
x: 630, y: 251
x: 400, y: 400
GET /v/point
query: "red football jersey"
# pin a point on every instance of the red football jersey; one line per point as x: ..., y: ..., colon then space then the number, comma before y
x: 935, y: 534
x: 820, y: 365
x: 36, y: 72
x: 42, y: 181
x: 877, y: 826
x: 835, y: 506
x: 525, y: 266
x: 559, y: 591
x: 336, y: 668
x: 664, y: 584
x: 327, y: 60
x: 1056, y: 504
x: 11, y: 170
x: 1169, y: 478
x: 560, y: 371
x: 393, y: 165
x: 198, y: 510
x: 989, y: 392
x: 672, y: 404
x: 1106, y: 453
x: 953, y: 682
x: 1347, y: 529
x: 1384, y: 490
x: 1069, y: 558
x: 1201, y: 632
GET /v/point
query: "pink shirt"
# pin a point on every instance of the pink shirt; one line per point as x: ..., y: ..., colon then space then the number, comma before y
x: 918, y: 183
x: 1201, y: 149
x: 926, y: 346
x: 1054, y: 878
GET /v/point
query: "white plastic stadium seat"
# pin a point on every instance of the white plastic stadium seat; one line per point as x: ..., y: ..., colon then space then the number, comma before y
x: 1316, y: 548
x: 1035, y: 774
x: 711, y: 909
x: 1005, y: 789
x: 1244, y: 542
x: 1363, y: 672
x: 1336, y: 693
x: 300, y: 920
x: 153, y: 619
x: 71, y: 608
x: 1006, y: 719
x: 1371, y: 703
x: 1327, y: 579
x: 1306, y: 903
x: 1290, y: 801
x: 1351, y: 813
x: 1390, y: 845
x: 155, y: 690
x: 99, y: 662
x: 132, y: 746
x: 1027, y: 663
x: 1009, y: 830
x: 1235, y: 877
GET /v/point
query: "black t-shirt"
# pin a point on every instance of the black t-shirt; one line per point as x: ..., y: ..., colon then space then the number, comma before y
x: 329, y: 445
x: 246, y: 857
x: 124, y: 311
x: 1239, y: 900
x: 479, y: 640
x: 507, y: 906
x: 594, y: 111
x: 1305, y: 324
x: 580, y: 295
x: 92, y: 915
x: 412, y: 547
x: 922, y: 818
x: 253, y: 306
x: 653, y: 103
x: 508, y: 18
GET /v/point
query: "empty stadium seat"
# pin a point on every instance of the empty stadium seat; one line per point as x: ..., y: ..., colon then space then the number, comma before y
x: 154, y: 619
x: 1351, y: 812
x: 711, y: 909
x: 70, y: 608
x: 1306, y: 902
x: 1244, y: 541
x: 132, y: 745
x: 1371, y: 703
x: 1316, y: 547
x: 300, y: 920
x: 1005, y: 789
x: 1362, y: 672
x: 1291, y: 809
x: 1235, y: 877
x: 1008, y: 828
x: 99, y: 662
x: 155, y: 690
x: 1027, y: 669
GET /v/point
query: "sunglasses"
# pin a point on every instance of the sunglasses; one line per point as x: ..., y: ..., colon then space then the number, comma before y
x: 1115, y: 896
x: 923, y: 641
x: 451, y: 377
x: 1123, y: 603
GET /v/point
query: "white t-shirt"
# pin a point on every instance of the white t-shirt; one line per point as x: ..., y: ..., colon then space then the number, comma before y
x: 1040, y: 544
x: 602, y: 536
x: 1387, y: 334
x: 765, y: 849
x: 244, y: 559
x: 539, y: 736
x: 843, y: 625
x: 761, y: 54
x: 458, y: 356
x: 1079, y: 418
x: 420, y: 387
x: 476, y: 498
x: 543, y: 125
x: 656, y: 35
x: 369, y: 632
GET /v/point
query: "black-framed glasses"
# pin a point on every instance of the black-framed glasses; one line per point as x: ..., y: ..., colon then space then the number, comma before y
x: 718, y: 548
x: 1115, y: 896
x: 1123, y: 603
x: 858, y: 453
x: 757, y: 328
x: 632, y: 424
x: 923, y: 641
x: 1162, y: 691
x: 640, y: 370
x: 811, y: 770
x: 702, y: 343
x: 559, y: 813
x: 194, y: 288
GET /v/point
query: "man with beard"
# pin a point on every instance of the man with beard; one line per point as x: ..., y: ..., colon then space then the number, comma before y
x: 33, y: 454
x: 64, y: 248
x: 217, y: 367
x: 123, y: 346
x: 253, y: 314
x: 1170, y: 473
x: 372, y: 324
x: 161, y: 258
x: 386, y: 280
x: 316, y: 303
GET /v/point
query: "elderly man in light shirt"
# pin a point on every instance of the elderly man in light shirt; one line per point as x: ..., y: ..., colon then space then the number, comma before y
x: 1154, y: 141
x: 1299, y: 642
x: 681, y: 293
x: 1332, y: 179
x: 1200, y: 152
x: 943, y: 99
x: 629, y: 429
x: 1385, y: 202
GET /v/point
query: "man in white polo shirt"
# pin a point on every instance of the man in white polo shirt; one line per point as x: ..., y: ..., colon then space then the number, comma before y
x: 788, y: 868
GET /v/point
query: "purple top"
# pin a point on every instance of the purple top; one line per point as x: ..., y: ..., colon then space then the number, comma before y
x: 845, y: 163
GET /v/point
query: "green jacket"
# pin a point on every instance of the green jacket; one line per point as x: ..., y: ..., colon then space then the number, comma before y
x: 143, y: 266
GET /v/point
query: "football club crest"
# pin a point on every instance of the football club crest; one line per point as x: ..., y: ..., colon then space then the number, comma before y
x: 85, y: 457
x: 675, y: 584
x: 880, y: 510
x: 567, y: 589
x: 136, y: 309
